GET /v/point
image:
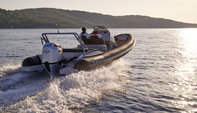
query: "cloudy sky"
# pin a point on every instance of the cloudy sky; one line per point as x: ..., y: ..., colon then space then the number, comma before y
x: 180, y: 10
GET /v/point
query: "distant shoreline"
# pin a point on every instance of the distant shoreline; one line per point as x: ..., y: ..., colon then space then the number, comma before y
x: 48, y: 18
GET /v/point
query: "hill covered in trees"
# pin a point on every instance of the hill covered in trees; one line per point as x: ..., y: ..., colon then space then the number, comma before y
x: 49, y: 17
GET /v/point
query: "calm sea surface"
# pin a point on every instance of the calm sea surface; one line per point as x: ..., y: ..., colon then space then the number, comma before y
x: 158, y: 75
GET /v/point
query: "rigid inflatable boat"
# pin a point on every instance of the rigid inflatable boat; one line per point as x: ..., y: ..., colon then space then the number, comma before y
x: 58, y: 61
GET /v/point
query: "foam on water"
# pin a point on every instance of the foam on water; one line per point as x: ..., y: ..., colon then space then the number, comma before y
x: 71, y: 92
x: 8, y: 69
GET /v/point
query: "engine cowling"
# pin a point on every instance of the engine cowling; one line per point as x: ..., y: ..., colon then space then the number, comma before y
x: 52, y: 53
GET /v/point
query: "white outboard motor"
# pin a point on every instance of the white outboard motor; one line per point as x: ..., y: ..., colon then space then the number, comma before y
x: 52, y: 55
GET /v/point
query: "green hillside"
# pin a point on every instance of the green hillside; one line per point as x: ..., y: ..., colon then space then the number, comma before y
x: 49, y: 17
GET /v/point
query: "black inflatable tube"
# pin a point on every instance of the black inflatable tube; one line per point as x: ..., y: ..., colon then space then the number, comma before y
x: 90, y: 62
x: 32, y: 61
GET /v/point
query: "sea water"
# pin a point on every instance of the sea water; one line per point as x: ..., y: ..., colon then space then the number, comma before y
x: 158, y: 75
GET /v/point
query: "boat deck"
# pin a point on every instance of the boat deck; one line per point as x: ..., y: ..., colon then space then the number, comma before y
x: 120, y: 42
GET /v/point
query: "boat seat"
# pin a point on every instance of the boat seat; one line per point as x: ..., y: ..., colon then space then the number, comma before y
x: 96, y: 40
x: 85, y: 40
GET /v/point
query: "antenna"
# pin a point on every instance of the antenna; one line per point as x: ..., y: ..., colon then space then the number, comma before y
x: 57, y: 28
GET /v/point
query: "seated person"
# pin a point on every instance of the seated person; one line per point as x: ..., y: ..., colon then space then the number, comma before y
x: 85, y: 36
x: 96, y: 37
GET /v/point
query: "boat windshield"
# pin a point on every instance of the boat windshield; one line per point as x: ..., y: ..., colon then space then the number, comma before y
x: 66, y: 40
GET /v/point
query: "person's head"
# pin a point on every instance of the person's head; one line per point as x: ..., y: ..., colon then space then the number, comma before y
x: 96, y: 28
x: 83, y: 29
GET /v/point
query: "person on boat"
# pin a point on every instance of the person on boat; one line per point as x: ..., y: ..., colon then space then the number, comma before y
x: 96, y: 32
x: 84, y: 35
x: 96, y: 37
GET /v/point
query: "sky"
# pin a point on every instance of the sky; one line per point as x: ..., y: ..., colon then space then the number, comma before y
x: 179, y: 10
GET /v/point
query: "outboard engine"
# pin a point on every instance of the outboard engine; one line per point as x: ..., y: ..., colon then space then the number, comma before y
x: 52, y: 55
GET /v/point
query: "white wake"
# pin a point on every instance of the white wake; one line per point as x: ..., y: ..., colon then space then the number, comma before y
x: 69, y: 92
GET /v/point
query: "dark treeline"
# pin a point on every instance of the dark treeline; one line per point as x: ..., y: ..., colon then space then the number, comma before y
x: 49, y: 17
